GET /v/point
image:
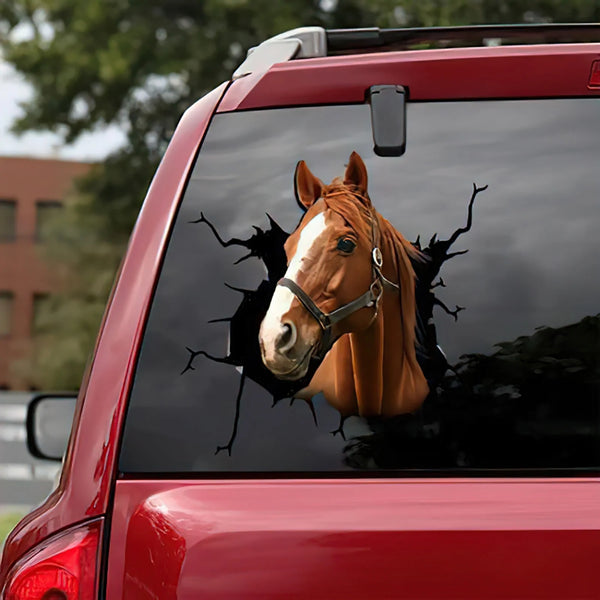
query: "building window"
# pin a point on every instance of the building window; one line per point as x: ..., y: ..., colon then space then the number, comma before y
x: 46, y: 212
x: 40, y: 310
x: 6, y: 309
x: 8, y: 211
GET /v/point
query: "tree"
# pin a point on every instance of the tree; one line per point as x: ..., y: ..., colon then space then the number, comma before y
x: 140, y: 64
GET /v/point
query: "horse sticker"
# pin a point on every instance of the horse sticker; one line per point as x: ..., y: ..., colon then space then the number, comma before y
x: 346, y: 309
x: 348, y: 296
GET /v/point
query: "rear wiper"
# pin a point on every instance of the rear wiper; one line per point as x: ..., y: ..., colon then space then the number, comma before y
x: 388, y: 119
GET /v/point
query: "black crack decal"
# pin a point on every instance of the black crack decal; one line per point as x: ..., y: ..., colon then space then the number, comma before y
x: 267, y: 245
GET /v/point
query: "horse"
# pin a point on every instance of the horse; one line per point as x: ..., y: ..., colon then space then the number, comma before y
x: 347, y: 299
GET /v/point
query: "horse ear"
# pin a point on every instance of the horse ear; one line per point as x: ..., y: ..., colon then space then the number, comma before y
x: 307, y: 187
x: 356, y: 173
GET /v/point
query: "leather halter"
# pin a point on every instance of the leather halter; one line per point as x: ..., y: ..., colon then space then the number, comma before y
x: 370, y: 298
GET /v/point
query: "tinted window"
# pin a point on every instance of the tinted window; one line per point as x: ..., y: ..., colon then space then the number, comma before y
x: 41, y: 303
x: 6, y: 310
x: 8, y: 209
x: 46, y: 213
x: 514, y: 382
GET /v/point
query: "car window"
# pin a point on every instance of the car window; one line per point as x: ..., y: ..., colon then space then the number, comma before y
x: 484, y: 356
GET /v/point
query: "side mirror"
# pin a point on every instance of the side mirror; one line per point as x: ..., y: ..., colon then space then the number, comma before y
x: 49, y: 420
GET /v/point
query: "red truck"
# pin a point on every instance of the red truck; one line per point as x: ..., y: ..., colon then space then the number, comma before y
x: 304, y: 386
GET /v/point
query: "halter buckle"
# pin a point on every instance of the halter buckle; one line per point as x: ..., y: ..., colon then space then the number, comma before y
x: 376, y: 290
x: 377, y: 257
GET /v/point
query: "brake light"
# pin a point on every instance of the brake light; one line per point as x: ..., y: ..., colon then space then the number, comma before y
x: 64, y: 567
x: 594, y: 81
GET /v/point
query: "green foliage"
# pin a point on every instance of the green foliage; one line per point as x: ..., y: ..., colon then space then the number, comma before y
x: 139, y: 64
x: 7, y: 523
x: 565, y: 356
x: 532, y: 403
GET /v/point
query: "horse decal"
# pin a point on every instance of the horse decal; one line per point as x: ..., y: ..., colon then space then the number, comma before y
x: 346, y: 309
x: 348, y: 297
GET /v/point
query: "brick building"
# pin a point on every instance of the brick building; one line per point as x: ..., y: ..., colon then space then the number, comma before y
x: 31, y: 190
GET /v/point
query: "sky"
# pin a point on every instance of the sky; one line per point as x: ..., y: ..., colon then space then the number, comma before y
x: 14, y: 90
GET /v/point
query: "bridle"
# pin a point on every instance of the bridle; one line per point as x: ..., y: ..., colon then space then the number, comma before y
x: 370, y: 298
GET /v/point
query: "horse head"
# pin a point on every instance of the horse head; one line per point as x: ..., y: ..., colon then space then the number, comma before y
x: 330, y: 286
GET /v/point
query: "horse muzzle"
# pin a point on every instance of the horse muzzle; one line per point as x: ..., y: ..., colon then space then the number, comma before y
x: 283, y: 353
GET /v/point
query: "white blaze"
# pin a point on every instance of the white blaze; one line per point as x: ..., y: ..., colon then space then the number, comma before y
x: 283, y: 297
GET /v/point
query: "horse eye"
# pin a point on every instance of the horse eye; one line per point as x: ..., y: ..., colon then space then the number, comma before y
x: 346, y: 245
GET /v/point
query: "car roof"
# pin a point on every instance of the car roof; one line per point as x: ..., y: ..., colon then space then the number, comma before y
x: 314, y: 42
x: 477, y: 73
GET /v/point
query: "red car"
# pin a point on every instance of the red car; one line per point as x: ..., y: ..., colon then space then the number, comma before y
x: 304, y: 386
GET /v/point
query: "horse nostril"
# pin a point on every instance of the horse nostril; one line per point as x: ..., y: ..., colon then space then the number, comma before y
x: 287, y: 337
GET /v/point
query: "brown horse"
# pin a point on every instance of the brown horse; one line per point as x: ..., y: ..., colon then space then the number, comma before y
x: 348, y: 296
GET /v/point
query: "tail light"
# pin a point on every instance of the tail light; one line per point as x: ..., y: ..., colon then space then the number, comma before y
x: 64, y: 567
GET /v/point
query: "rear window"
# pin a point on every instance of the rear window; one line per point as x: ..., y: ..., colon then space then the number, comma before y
x: 486, y: 358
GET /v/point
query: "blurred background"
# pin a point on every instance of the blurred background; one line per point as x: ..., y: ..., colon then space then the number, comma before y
x: 90, y: 93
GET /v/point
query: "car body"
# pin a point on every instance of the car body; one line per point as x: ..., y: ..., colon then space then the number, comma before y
x: 403, y: 533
